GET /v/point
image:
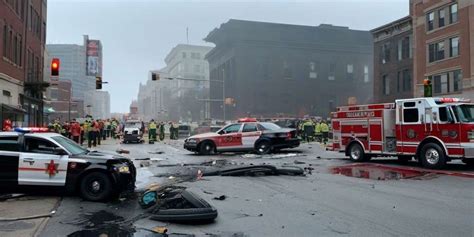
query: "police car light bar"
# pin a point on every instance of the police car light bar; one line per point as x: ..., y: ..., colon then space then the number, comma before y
x: 247, y: 120
x: 452, y: 100
x: 31, y: 130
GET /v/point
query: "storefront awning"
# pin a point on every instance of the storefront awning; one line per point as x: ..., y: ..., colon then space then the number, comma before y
x: 12, y: 109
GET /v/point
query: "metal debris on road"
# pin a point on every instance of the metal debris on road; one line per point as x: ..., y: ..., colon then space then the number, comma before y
x: 220, y: 198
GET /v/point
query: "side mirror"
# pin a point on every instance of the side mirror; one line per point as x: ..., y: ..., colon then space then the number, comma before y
x: 221, y: 132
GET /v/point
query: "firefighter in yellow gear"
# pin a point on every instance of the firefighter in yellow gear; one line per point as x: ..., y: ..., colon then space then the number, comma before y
x: 325, y: 131
x: 317, y: 131
x: 152, y: 130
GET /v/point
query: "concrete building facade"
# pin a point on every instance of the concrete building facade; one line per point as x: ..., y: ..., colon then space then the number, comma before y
x: 393, y: 61
x: 22, y: 42
x: 444, y: 46
x: 273, y: 69
x: 185, y: 96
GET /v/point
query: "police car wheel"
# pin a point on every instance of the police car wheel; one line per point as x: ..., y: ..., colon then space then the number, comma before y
x: 263, y: 147
x: 432, y: 156
x: 206, y: 148
x: 96, y: 186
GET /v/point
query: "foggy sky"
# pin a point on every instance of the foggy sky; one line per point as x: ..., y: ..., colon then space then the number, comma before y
x: 137, y: 35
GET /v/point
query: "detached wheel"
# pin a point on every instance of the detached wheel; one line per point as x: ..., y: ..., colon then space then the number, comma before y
x: 206, y: 148
x: 263, y: 147
x: 356, y: 153
x: 95, y: 187
x: 432, y: 156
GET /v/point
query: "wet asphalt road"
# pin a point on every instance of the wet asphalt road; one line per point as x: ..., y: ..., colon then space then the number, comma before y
x: 318, y: 204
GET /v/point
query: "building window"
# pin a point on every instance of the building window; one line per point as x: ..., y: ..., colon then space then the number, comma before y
x: 332, y: 72
x: 447, y: 82
x: 287, y: 73
x: 184, y: 54
x: 436, y: 51
x: 454, y: 47
x: 406, y: 80
x: 441, y: 18
x: 386, y: 85
x: 350, y: 71
x: 366, y: 73
x: 197, y: 68
x: 453, y: 13
x: 5, y: 36
x: 404, y: 48
x: 20, y: 50
x: 313, y: 74
x: 430, y: 21
x: 15, y: 50
x: 195, y: 55
x: 399, y: 79
x: 385, y: 57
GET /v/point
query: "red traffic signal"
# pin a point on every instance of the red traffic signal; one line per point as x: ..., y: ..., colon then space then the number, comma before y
x: 55, y: 64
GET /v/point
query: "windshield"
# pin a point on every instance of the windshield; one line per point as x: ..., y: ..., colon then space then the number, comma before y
x: 69, y: 145
x: 270, y: 126
x: 133, y: 125
x: 465, y: 113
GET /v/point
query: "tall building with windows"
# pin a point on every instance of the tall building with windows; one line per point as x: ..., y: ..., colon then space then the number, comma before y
x: 22, y: 42
x: 393, y: 61
x: 183, y: 98
x: 270, y: 69
x: 444, y: 46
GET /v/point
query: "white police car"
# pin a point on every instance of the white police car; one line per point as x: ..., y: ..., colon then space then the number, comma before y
x: 34, y: 157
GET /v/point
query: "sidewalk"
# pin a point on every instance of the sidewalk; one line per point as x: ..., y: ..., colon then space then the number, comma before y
x: 27, y: 206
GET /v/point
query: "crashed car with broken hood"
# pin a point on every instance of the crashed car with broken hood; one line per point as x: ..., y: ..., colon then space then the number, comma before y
x: 245, y: 135
x: 33, y: 157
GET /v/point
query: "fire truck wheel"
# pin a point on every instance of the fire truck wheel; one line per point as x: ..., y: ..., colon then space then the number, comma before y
x: 432, y: 156
x: 206, y: 148
x: 356, y: 153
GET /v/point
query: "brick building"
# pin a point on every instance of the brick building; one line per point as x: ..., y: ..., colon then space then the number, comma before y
x: 22, y: 41
x: 393, y: 61
x: 272, y: 69
x: 444, y: 46
x: 60, y: 100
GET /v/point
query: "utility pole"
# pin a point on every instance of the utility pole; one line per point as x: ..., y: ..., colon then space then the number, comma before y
x: 223, y: 92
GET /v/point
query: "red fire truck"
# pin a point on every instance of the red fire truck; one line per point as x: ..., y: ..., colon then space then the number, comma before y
x: 432, y: 130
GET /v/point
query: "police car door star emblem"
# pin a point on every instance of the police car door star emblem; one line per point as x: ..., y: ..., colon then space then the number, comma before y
x: 51, y: 168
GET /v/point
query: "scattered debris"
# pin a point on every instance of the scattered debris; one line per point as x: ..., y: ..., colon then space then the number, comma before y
x: 160, y: 230
x: 122, y: 151
x: 8, y: 196
x: 260, y: 214
x: 290, y: 170
x: 206, y: 192
x: 299, y: 162
x: 220, y: 198
x: 156, y: 152
x: 257, y: 170
x: 176, y: 204
x: 147, y: 158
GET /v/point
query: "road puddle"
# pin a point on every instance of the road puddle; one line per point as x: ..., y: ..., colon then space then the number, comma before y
x: 369, y: 171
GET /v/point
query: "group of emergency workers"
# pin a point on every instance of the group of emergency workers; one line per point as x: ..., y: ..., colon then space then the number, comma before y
x: 158, y: 129
x: 92, y: 130
x: 312, y: 129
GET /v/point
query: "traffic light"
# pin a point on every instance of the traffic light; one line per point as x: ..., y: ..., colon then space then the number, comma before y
x: 55, y: 63
x: 155, y: 76
x: 98, y: 83
x: 428, y: 88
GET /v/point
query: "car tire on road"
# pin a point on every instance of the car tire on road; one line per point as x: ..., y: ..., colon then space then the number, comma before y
x: 206, y: 148
x: 96, y: 186
x: 263, y: 147
x: 356, y: 153
x: 432, y: 156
